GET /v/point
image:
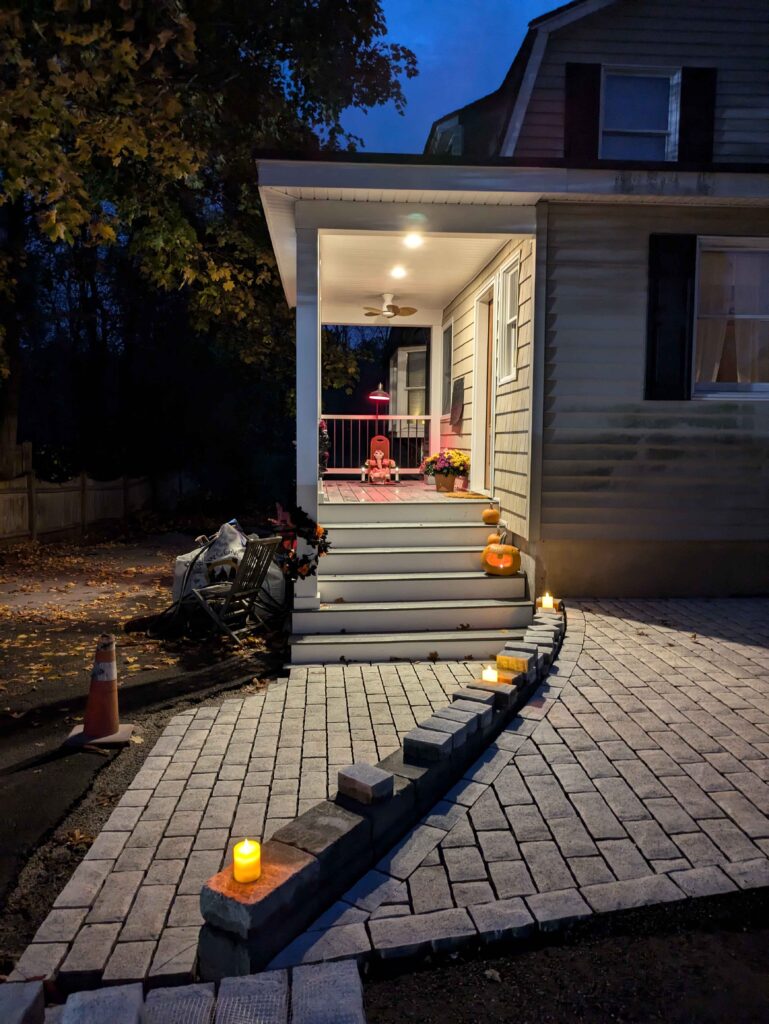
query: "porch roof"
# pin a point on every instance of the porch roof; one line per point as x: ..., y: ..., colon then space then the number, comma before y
x: 452, y: 198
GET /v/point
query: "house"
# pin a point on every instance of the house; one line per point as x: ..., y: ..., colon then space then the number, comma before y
x: 593, y: 266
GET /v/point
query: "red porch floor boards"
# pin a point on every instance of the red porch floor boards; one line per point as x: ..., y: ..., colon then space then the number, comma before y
x: 356, y: 492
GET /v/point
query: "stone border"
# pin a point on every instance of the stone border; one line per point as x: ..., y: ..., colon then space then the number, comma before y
x: 311, y: 861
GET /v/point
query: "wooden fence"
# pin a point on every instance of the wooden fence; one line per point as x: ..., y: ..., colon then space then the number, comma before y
x: 30, y: 508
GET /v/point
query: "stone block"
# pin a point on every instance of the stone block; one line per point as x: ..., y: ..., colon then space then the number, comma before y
x: 130, y: 961
x: 422, y: 746
x: 290, y: 877
x: 706, y: 881
x: 84, y: 885
x: 342, y: 942
x: 473, y: 696
x: 221, y: 954
x: 518, y: 657
x: 334, y: 835
x: 504, y: 694
x: 453, y: 715
x: 409, y: 936
x: 88, y: 955
x: 259, y: 997
x: 175, y: 957
x: 502, y: 919
x: 365, y: 783
x: 60, y: 925
x: 481, y: 710
x: 329, y: 993
x: 374, y: 889
x: 40, y: 960
x: 193, y: 1003
x: 457, y: 730
x: 411, y: 851
x: 22, y: 1003
x: 119, y: 1005
x: 429, y: 781
x: 554, y: 910
x: 633, y: 892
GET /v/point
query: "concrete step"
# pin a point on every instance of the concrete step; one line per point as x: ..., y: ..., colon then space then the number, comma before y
x: 410, y: 533
x: 458, y: 645
x: 458, y: 510
x: 352, y: 561
x: 407, y: 616
x: 420, y: 586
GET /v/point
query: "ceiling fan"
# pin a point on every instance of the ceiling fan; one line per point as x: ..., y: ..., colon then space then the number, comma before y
x: 389, y: 309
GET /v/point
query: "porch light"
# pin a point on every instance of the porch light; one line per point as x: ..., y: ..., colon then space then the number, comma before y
x: 378, y: 396
x: 247, y: 861
x: 413, y: 240
x: 398, y: 271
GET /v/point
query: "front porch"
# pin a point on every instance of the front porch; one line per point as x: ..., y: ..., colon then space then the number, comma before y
x: 406, y: 492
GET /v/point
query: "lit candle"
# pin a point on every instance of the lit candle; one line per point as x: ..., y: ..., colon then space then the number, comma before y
x: 247, y: 861
x: 489, y: 675
x: 547, y: 602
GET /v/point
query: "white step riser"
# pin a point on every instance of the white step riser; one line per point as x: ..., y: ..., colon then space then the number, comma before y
x: 401, y: 561
x: 398, y: 620
x: 460, y: 510
x: 389, y: 536
x: 407, y: 650
x: 432, y: 589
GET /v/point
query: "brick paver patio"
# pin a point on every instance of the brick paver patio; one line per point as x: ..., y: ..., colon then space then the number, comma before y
x: 637, y: 775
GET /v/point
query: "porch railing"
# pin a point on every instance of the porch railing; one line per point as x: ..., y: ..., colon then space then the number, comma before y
x: 350, y: 441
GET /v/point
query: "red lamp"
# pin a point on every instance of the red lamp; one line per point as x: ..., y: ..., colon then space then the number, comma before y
x: 378, y: 396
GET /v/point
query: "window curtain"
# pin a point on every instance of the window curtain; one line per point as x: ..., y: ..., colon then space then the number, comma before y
x: 748, y: 334
x: 715, y: 300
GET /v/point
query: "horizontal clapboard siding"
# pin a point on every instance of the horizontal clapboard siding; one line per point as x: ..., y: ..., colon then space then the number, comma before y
x: 614, y: 465
x: 513, y: 399
x: 733, y: 38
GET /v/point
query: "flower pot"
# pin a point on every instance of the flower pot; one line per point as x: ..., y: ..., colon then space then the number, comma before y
x: 445, y: 481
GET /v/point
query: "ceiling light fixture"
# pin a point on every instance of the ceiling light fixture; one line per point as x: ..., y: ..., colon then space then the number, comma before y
x: 413, y: 240
x: 398, y: 271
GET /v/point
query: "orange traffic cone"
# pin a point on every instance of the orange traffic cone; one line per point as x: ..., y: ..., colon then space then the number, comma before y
x: 101, y: 724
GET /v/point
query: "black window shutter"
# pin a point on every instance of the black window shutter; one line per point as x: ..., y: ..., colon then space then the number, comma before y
x: 698, y: 113
x: 582, y: 112
x: 670, y: 318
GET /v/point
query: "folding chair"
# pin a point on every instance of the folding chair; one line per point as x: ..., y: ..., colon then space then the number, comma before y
x: 232, y: 605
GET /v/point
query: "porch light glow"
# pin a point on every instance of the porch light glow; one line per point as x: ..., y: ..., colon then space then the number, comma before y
x: 398, y: 271
x: 489, y: 675
x: 379, y: 395
x: 247, y: 861
x: 413, y: 240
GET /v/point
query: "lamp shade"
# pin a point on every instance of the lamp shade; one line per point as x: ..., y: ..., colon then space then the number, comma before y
x: 379, y: 395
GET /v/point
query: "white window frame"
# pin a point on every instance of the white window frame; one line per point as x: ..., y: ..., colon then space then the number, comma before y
x: 504, y: 321
x: 674, y: 109
x: 730, y: 391
x: 446, y: 400
x: 401, y: 354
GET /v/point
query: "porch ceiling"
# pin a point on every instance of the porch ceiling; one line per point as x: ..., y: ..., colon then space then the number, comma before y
x: 356, y: 266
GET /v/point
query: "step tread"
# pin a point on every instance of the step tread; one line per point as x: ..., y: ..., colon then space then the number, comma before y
x: 450, y: 524
x: 442, y: 635
x: 418, y: 606
x: 445, y: 549
x: 392, y: 577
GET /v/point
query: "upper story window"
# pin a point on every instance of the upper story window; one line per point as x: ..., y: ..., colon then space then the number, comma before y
x: 639, y: 114
x: 731, y: 348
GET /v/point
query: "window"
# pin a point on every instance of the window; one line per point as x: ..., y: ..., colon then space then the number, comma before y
x: 448, y: 360
x: 508, y: 324
x: 731, y: 352
x: 408, y: 381
x: 639, y: 114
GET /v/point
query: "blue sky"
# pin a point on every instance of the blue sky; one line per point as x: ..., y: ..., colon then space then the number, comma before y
x: 464, y: 48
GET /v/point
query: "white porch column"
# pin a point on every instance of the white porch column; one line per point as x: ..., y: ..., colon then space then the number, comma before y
x: 436, y: 386
x: 308, y: 368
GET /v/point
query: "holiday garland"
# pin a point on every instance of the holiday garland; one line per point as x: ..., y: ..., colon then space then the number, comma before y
x: 293, y: 526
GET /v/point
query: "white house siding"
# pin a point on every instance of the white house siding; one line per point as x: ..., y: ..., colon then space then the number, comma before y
x: 617, y: 469
x: 513, y: 400
x: 734, y: 38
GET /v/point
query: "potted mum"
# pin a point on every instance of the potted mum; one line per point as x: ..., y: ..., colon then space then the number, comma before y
x: 446, y: 466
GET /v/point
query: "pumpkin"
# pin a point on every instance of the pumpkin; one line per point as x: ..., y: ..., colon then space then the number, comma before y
x: 493, y: 538
x: 500, y: 560
x: 491, y: 516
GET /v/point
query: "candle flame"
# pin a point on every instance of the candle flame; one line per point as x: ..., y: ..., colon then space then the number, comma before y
x: 247, y: 846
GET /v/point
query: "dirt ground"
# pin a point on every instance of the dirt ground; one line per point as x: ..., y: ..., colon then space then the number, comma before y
x: 698, y: 962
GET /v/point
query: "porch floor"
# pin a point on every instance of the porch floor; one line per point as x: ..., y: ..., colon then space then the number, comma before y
x: 355, y: 492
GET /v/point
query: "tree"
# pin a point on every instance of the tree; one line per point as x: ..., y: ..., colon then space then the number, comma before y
x: 133, y: 123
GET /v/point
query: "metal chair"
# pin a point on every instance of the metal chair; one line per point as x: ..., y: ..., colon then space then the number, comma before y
x: 232, y: 605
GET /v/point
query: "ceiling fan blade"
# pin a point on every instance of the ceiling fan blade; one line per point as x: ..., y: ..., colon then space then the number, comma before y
x: 372, y: 312
x: 407, y: 310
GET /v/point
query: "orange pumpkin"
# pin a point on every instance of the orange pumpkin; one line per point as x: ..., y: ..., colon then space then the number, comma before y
x: 491, y: 516
x: 493, y: 538
x: 500, y: 560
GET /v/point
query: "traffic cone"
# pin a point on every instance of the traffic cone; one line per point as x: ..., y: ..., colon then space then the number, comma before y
x: 101, y: 724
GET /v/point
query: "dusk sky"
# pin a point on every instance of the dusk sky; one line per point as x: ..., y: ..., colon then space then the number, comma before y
x: 464, y: 48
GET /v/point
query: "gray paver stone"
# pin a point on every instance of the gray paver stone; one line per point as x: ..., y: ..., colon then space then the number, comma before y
x: 60, y: 925
x: 409, y: 853
x: 187, y: 1004
x: 547, y: 866
x: 464, y: 864
x: 39, y: 960
x: 750, y: 874
x: 502, y: 919
x: 429, y: 888
x: 422, y: 746
x: 457, y: 730
x: 84, y: 885
x: 365, y: 783
x: 707, y: 881
x: 554, y: 910
x: 130, y: 961
x: 332, y: 834
x: 511, y: 878
x: 623, y: 858
x: 88, y: 954
x: 22, y: 1003
x: 346, y: 941
x: 119, y: 1005
x: 175, y: 957
x: 258, y: 997
x: 408, y: 936
x: 115, y: 898
x: 327, y: 994
x: 633, y: 892
x: 474, y: 696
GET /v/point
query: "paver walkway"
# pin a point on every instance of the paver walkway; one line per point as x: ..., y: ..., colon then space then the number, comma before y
x: 637, y: 775
x: 217, y: 774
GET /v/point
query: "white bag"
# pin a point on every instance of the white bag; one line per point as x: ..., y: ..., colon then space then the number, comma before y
x: 216, y: 561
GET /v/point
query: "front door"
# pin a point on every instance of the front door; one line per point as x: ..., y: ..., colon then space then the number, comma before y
x: 489, y: 442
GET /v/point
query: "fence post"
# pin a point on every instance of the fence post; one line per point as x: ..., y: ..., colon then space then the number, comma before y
x: 31, y: 505
x: 83, y: 501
